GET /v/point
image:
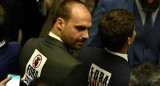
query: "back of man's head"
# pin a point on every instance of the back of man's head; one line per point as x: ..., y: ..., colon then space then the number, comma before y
x: 146, y: 74
x: 115, y: 27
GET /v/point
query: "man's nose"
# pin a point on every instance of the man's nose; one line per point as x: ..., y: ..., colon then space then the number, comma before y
x: 85, y: 34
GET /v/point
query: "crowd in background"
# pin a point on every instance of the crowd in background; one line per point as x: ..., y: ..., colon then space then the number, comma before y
x: 81, y: 42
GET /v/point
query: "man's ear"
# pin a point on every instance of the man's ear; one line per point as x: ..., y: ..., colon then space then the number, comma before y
x: 129, y: 41
x: 60, y: 23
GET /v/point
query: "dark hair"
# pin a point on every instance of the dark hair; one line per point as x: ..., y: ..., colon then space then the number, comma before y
x: 41, y: 81
x: 115, y: 27
x: 4, y: 22
x: 146, y: 74
x: 64, y: 9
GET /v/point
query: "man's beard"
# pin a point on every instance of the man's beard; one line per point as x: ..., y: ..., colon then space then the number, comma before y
x: 149, y: 7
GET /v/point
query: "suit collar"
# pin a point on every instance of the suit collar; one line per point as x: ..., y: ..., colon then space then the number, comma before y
x: 52, y: 41
x: 124, y: 56
x: 116, y: 58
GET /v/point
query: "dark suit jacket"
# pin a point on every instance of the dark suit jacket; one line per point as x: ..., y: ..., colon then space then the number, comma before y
x: 9, y: 55
x: 61, y: 67
x: 117, y: 66
x: 145, y: 48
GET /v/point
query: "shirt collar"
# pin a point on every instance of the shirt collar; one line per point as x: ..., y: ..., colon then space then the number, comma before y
x: 124, y: 56
x: 54, y: 36
x: 2, y: 43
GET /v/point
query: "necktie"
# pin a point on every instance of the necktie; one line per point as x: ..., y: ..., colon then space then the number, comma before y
x: 148, y: 23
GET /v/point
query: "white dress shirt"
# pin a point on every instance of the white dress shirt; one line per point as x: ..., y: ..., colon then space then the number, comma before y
x: 54, y: 36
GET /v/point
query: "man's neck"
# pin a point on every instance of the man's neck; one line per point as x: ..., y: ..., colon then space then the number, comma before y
x: 123, y: 50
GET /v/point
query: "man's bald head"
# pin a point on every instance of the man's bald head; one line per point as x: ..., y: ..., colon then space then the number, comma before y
x: 65, y: 9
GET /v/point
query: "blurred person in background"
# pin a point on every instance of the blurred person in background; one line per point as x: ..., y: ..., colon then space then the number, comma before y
x: 145, y: 74
x: 9, y: 51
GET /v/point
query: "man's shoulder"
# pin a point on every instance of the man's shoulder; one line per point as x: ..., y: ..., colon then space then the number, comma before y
x: 90, y: 55
x: 91, y: 50
x: 14, y: 45
x: 32, y: 40
x: 66, y: 57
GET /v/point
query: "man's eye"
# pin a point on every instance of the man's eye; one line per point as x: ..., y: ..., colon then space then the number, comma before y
x: 80, y: 28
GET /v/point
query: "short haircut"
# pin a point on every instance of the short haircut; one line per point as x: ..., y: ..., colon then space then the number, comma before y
x: 115, y: 27
x: 146, y: 74
x: 64, y: 9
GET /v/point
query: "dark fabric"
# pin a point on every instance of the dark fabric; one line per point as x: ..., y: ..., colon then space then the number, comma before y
x: 117, y: 66
x: 148, y: 23
x: 61, y: 67
x: 9, y: 56
x: 145, y: 48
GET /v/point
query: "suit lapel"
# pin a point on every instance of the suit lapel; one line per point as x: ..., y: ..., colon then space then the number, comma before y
x: 52, y: 41
x: 156, y: 23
